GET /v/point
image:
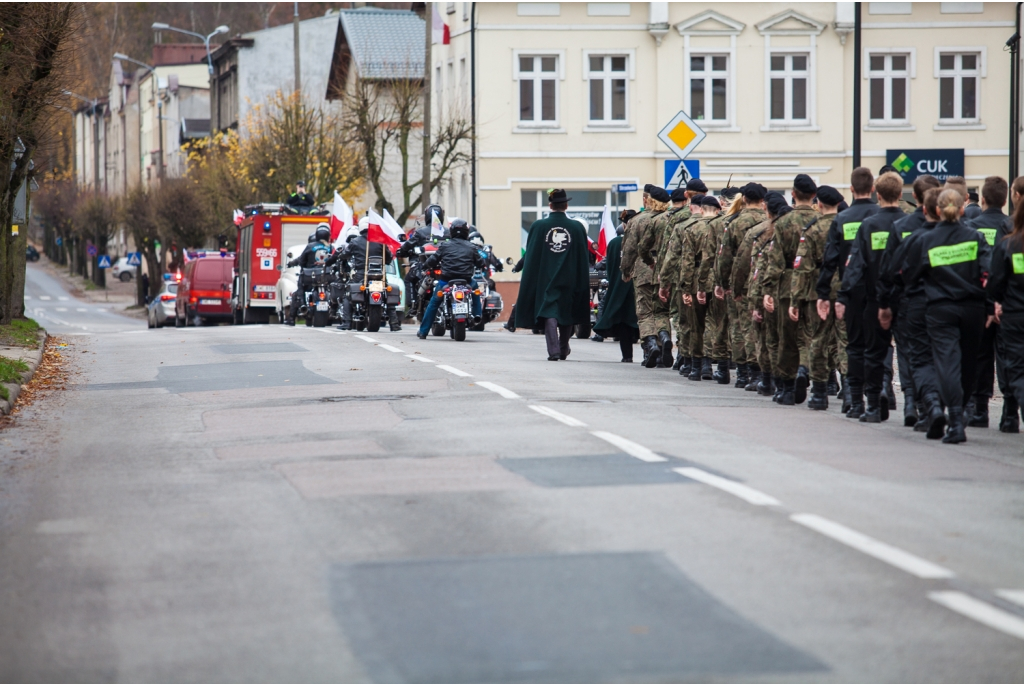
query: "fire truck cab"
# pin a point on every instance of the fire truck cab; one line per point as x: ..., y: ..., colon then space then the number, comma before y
x: 266, y: 231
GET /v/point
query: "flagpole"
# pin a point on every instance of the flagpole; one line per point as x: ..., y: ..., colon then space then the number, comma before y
x: 428, y: 17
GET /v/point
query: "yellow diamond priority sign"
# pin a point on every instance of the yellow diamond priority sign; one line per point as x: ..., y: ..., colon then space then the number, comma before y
x: 681, y: 135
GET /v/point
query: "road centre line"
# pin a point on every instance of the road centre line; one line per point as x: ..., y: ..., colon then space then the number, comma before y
x: 366, y: 338
x: 453, y: 370
x: 44, y: 297
x: 1015, y: 596
x: 982, y: 612
x: 557, y: 415
x: 493, y: 387
x: 629, y: 447
x: 893, y: 556
x: 389, y: 348
x: 420, y: 359
x: 732, y: 487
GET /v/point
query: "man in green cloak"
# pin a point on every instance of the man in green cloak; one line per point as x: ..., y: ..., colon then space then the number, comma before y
x: 554, y: 292
x: 618, y: 309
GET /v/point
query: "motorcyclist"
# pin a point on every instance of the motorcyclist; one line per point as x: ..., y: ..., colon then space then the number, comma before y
x: 417, y: 239
x: 355, y: 253
x: 457, y: 259
x: 300, y: 198
x: 314, y: 254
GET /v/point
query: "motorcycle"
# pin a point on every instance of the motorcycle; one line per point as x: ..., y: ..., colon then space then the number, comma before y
x: 317, y: 310
x: 371, y: 297
x: 456, y: 312
x: 490, y: 299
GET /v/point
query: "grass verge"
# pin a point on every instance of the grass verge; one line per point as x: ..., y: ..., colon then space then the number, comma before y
x: 20, y: 333
x: 10, y: 372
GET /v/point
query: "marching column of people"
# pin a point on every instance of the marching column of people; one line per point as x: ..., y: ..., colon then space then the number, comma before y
x: 791, y: 296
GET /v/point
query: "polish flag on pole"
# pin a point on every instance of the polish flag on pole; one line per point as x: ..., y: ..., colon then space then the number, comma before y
x: 436, y: 229
x: 238, y: 217
x: 341, y: 216
x: 397, y: 229
x: 607, y: 233
x: 381, y: 231
x: 440, y: 33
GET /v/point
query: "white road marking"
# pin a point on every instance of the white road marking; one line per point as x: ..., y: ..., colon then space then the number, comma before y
x: 63, y: 299
x: 28, y: 297
x: 557, y: 415
x: 389, y: 348
x: 81, y: 309
x: 504, y: 392
x: 452, y: 369
x: 366, y: 338
x: 982, y: 612
x: 629, y: 447
x: 44, y: 297
x: 1015, y: 596
x: 732, y: 487
x: 893, y: 556
x: 420, y: 359
x: 61, y: 309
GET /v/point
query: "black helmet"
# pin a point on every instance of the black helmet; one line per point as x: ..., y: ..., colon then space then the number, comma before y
x: 435, y: 210
x: 475, y: 237
x: 459, y: 229
x: 323, y: 232
x: 312, y: 237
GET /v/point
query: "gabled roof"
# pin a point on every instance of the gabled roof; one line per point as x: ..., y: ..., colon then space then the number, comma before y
x: 791, y: 23
x: 384, y: 44
x: 710, y: 23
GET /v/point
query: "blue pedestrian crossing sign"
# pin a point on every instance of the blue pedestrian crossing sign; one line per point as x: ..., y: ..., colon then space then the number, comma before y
x: 103, y: 262
x: 677, y: 172
x: 134, y: 259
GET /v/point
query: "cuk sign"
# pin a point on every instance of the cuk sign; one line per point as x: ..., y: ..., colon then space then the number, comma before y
x: 940, y: 163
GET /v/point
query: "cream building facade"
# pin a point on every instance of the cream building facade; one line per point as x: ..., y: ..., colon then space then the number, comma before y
x: 573, y: 95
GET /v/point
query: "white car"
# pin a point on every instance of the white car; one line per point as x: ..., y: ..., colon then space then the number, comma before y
x: 122, y: 271
x: 287, y: 282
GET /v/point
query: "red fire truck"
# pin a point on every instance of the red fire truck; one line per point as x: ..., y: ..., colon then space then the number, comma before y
x: 265, y: 232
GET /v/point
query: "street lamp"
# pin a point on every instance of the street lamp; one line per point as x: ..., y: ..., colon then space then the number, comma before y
x: 95, y: 138
x: 151, y: 70
x: 160, y: 26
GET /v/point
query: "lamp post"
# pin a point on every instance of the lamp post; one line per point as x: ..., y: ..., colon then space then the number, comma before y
x: 126, y: 58
x: 95, y: 138
x: 159, y: 26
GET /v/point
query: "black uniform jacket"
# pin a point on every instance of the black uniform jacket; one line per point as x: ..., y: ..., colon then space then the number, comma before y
x: 890, y: 280
x: 992, y: 224
x: 873, y: 236
x: 310, y: 257
x: 951, y: 261
x: 301, y: 200
x: 457, y: 258
x: 355, y: 253
x: 1006, y: 281
x: 840, y: 239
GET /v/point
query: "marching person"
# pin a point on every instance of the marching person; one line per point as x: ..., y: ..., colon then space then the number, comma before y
x: 618, y: 308
x: 652, y: 314
x: 555, y: 289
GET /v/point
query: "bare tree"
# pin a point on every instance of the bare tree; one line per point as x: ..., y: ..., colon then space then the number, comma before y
x: 138, y: 214
x: 95, y: 221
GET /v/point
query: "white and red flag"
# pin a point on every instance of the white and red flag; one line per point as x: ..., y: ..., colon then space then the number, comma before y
x: 439, y: 29
x: 436, y: 229
x: 381, y: 231
x: 607, y: 233
x: 398, y: 230
x: 341, y: 217
x: 238, y: 217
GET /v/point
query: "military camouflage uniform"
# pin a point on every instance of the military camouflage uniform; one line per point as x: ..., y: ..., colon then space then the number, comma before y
x: 649, y: 308
x: 806, y: 267
x: 778, y: 276
x: 694, y: 236
x: 716, y: 323
x: 668, y: 269
x: 762, y: 337
x: 732, y: 237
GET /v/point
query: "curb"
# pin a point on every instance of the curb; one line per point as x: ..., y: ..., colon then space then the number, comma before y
x: 32, y: 358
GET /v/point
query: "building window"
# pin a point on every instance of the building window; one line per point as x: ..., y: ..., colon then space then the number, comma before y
x: 608, y: 76
x: 959, y: 79
x: 451, y: 8
x: 789, y: 76
x: 538, y: 90
x: 889, y: 81
x: 708, y: 87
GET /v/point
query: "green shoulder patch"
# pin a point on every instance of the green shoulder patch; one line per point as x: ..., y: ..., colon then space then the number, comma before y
x: 1018, y: 263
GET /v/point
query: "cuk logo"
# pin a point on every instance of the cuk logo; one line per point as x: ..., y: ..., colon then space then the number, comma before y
x: 903, y: 164
x: 558, y: 239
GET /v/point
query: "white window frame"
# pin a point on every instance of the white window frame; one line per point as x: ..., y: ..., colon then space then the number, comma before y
x: 981, y: 72
x: 811, y: 29
x: 717, y: 26
x: 538, y: 125
x: 889, y: 124
x: 789, y: 124
x: 730, y: 84
x: 592, y: 125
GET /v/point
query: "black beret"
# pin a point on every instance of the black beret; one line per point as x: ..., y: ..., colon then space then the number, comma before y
x: 696, y: 184
x: 659, y: 194
x: 647, y: 188
x: 754, y: 192
x: 711, y: 201
x: 973, y: 196
x: 886, y: 169
x: 679, y: 195
x: 697, y: 200
x: 803, y: 184
x: 842, y: 206
x: 730, y: 192
x: 827, y: 195
x: 774, y: 202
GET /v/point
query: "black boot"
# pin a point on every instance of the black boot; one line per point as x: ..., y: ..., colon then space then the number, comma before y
x: 686, y: 366
x: 803, y: 379
x: 887, y: 399
x: 788, y: 396
x: 753, y: 378
x: 765, y: 386
x: 955, y: 430
x: 873, y: 412
x: 678, y: 362
x: 652, y: 353
x: 819, y: 396
x: 665, y: 340
x: 626, y: 347
x: 979, y: 419
x: 856, y: 402
x: 844, y: 395
x: 778, y: 386
x: 909, y: 408
x: 722, y: 372
x: 935, y: 423
x: 707, y: 372
x: 742, y: 376
x: 832, y: 388
x: 1009, y: 422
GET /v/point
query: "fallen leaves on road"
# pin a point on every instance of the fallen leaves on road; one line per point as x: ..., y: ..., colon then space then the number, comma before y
x: 51, y: 376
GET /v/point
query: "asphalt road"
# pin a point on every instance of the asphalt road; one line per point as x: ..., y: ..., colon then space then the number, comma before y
x: 287, y: 504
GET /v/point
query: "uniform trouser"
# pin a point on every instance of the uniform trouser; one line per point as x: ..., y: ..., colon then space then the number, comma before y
x: 716, y: 329
x: 955, y: 329
x: 677, y: 316
x: 856, y: 338
x: 913, y: 328
x: 769, y: 342
x: 877, y: 349
x: 736, y: 318
x: 985, y: 381
x: 696, y: 318
x: 1011, y: 352
x: 787, y: 356
x: 902, y: 355
x: 651, y: 312
x: 752, y: 331
x: 821, y: 336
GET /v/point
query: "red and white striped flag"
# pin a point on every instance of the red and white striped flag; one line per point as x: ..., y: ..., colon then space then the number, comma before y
x: 381, y: 231
x: 607, y: 233
x: 439, y: 29
x: 341, y: 217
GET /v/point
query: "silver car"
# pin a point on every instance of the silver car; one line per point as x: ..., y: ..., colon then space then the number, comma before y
x: 161, y: 308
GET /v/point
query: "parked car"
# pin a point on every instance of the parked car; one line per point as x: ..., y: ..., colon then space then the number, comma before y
x: 204, y: 294
x: 161, y: 308
x: 122, y: 271
x: 31, y: 254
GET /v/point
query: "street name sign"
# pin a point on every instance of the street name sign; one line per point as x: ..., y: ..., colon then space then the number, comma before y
x: 626, y: 188
x: 681, y: 135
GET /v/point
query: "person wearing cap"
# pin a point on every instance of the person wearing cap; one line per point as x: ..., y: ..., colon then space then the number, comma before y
x: 751, y: 213
x: 668, y: 267
x: 653, y: 251
x: 716, y: 322
x: 651, y: 313
x: 837, y: 248
x: 694, y: 187
x: 554, y: 293
x: 693, y: 237
x: 300, y: 198
x: 972, y: 209
x: 711, y: 209
x: 763, y: 337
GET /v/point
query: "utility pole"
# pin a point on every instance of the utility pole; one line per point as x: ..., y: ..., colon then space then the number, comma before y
x: 160, y: 131
x: 298, y: 69
x: 1014, y: 45
x: 429, y: 24
x: 856, y: 84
